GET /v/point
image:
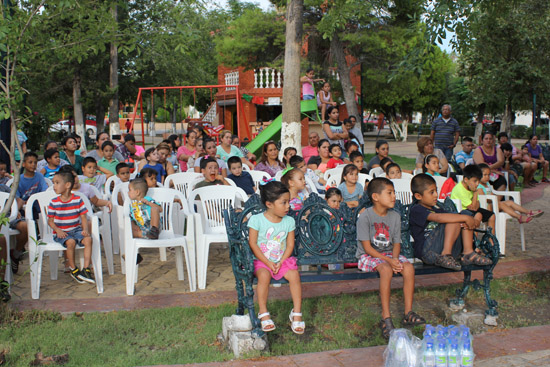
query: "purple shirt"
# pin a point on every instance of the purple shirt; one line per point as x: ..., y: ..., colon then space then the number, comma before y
x: 271, y: 170
x: 535, y: 152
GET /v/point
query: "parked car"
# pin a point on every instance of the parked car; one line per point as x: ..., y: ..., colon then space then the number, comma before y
x: 65, y: 126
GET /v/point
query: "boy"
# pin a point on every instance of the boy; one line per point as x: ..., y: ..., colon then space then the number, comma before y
x: 466, y: 192
x: 128, y: 149
x: 241, y: 178
x: 336, y: 152
x: 437, y: 234
x: 86, y: 189
x: 4, y: 175
x: 379, y: 247
x: 90, y: 176
x: 298, y: 162
x: 152, y: 157
x: 357, y: 160
x: 123, y: 172
x: 393, y: 171
x: 107, y: 164
x: 31, y: 181
x: 514, y: 169
x: 54, y: 163
x: 144, y: 211
x: 67, y: 218
x: 463, y: 157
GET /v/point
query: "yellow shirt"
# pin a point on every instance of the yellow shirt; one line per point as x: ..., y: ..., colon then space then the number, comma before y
x: 462, y: 193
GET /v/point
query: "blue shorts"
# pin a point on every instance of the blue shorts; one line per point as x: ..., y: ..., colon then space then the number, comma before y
x: 74, y: 234
x: 308, y: 97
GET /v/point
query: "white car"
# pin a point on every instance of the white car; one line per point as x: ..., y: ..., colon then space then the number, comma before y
x: 64, y: 126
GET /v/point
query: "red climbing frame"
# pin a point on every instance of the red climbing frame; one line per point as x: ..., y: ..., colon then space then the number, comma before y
x: 242, y: 125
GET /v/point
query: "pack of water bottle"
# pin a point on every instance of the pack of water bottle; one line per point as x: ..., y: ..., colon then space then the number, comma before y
x: 447, y: 346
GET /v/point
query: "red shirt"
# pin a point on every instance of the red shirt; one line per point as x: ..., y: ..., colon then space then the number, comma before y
x: 333, y: 162
x: 308, y: 152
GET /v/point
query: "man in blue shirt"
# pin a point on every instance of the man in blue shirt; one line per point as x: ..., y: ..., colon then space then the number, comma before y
x: 466, y: 153
x: 445, y: 132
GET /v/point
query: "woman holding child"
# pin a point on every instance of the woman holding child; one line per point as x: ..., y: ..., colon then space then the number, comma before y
x: 226, y: 150
x: 425, y: 147
x: 97, y: 153
x: 269, y: 161
x: 488, y: 153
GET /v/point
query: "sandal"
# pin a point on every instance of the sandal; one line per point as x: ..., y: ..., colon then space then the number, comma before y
x: 298, y: 327
x: 267, y: 325
x: 413, y: 319
x: 524, y: 219
x: 447, y: 262
x: 386, y: 325
x: 473, y: 258
x: 535, y: 213
x: 545, y: 180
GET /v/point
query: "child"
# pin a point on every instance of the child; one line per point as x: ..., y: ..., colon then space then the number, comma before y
x: 324, y: 99
x: 30, y: 182
x: 150, y: 177
x: 90, y: 176
x: 357, y: 159
x: 52, y: 157
x: 308, y: 91
x: 211, y: 173
x: 4, y: 175
x: 86, y: 189
x: 529, y: 166
x: 379, y: 247
x: 241, y: 178
x: 144, y: 211
x: 67, y: 218
x: 436, y: 233
x: 336, y: 152
x: 384, y: 163
x: 351, y: 146
x: 508, y: 206
x: 152, y: 157
x: 123, y: 172
x: 107, y: 164
x: 288, y: 153
x: 510, y: 165
x: 333, y: 198
x: 393, y: 171
x: 294, y: 180
x: 271, y: 238
x: 298, y: 162
x: 350, y: 188
x: 431, y: 165
x: 210, y: 149
x: 466, y: 192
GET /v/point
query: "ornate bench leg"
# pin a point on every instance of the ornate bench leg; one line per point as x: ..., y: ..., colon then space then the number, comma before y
x: 458, y: 302
x: 249, y: 301
x: 240, y: 297
x: 491, y: 303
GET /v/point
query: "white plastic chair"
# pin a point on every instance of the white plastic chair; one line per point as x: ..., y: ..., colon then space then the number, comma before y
x: 209, y: 225
x: 117, y: 221
x: 363, y: 177
x: 105, y: 232
x: 376, y: 172
x: 10, y: 181
x: 334, y: 172
x: 48, y: 182
x: 183, y: 244
x: 109, y: 183
x: 181, y: 181
x: 404, y: 176
x: 8, y: 233
x: 439, y: 181
x: 257, y: 177
x: 46, y: 243
x: 403, y: 191
x: 333, y: 181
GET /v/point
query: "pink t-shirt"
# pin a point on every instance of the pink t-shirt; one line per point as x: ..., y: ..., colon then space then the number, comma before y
x: 183, y: 150
x: 139, y: 150
x: 308, y: 152
x: 307, y: 88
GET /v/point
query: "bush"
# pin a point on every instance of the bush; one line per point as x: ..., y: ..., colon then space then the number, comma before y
x: 369, y: 126
x: 520, y: 131
x: 542, y: 132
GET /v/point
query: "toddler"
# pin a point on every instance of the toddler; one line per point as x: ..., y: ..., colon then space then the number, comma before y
x: 144, y: 211
x: 107, y: 164
x: 336, y: 152
x: 241, y: 178
x: 294, y: 180
x: 90, y: 176
x: 393, y: 171
x: 271, y: 238
x: 52, y: 158
x: 211, y: 173
x: 67, y: 218
x: 152, y: 157
x: 349, y: 187
x: 4, y: 175
x: 431, y: 165
x: 333, y: 198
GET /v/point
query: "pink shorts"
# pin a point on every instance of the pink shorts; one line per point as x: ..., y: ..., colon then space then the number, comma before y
x: 288, y: 264
x: 368, y: 263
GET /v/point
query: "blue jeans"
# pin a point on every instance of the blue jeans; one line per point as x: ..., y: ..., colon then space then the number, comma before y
x: 447, y: 151
x: 308, y: 97
x: 73, y: 234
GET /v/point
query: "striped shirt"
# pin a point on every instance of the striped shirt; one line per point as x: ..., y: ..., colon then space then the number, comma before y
x: 444, y: 132
x: 66, y: 215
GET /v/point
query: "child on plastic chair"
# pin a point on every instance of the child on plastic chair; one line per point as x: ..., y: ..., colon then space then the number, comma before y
x: 271, y: 238
x: 144, y: 211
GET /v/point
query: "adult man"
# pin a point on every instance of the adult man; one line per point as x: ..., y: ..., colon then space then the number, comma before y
x: 466, y: 153
x: 312, y: 149
x: 445, y: 132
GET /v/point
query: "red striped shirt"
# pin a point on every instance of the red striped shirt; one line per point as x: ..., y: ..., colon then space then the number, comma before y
x: 66, y: 214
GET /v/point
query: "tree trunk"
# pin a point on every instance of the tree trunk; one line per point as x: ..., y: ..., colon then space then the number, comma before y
x: 479, y: 125
x: 291, y: 131
x: 113, y: 78
x: 506, y: 125
x: 80, y: 129
x: 344, y: 71
x: 100, y: 114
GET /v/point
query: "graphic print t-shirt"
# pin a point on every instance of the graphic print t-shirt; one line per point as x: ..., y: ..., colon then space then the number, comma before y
x: 382, y: 232
x: 272, y: 236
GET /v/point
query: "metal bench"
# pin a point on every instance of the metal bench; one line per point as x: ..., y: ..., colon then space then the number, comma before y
x: 327, y: 236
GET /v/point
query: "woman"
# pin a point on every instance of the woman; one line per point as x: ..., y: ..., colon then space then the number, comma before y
x: 187, y: 150
x: 225, y: 150
x: 175, y: 142
x: 97, y: 154
x: 50, y: 144
x: 269, y: 161
x: 334, y: 130
x: 164, y: 151
x: 324, y: 153
x: 425, y: 147
x: 489, y: 154
x: 535, y: 151
x: 69, y: 153
x: 382, y: 148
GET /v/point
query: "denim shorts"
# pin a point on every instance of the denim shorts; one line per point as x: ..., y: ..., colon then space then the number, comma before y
x: 433, y: 245
x: 74, y: 234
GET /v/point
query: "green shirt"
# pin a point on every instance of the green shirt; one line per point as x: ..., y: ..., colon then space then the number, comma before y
x: 462, y: 193
x: 111, y: 166
x: 77, y: 162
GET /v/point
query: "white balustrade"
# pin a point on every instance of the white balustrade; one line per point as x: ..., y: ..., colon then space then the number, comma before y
x: 267, y: 78
x: 231, y: 78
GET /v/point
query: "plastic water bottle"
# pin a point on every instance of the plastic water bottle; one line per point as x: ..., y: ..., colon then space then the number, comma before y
x: 454, y: 355
x: 429, y: 354
x: 441, y: 330
x: 429, y: 331
x: 441, y: 354
x: 467, y: 358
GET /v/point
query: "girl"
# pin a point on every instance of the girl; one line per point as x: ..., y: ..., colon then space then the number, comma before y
x: 210, y: 150
x: 350, y: 188
x: 324, y: 98
x: 188, y: 150
x: 295, y: 181
x: 271, y: 238
x: 288, y: 153
x: 393, y: 171
x: 334, y: 129
x: 199, y: 152
x: 333, y: 198
x: 211, y: 173
x: 508, y: 206
x: 431, y: 165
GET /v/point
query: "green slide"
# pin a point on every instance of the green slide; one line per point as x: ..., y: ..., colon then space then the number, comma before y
x: 273, y: 131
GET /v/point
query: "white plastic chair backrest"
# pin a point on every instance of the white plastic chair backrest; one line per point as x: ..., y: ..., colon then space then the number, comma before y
x: 231, y: 182
x: 10, y: 181
x: 382, y: 175
x: 14, y: 210
x: 376, y: 172
x: 108, y: 183
x: 201, y: 178
x: 278, y: 175
x: 310, y: 185
x: 120, y: 188
x: 417, y: 171
x: 245, y: 168
x: 48, y: 182
x: 363, y: 177
x: 258, y: 176
x: 181, y: 181
x: 403, y: 191
x: 459, y: 178
x: 213, y: 201
x: 134, y: 175
x: 439, y: 180
x: 334, y: 172
x: 333, y: 181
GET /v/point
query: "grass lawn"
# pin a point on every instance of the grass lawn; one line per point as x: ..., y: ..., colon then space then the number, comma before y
x: 186, y: 335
